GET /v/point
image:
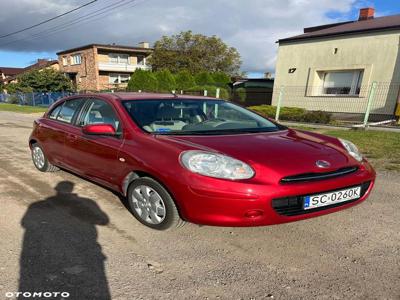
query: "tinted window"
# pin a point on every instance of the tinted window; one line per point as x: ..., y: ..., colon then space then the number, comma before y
x: 55, y: 112
x: 187, y: 116
x: 100, y: 112
x: 69, y: 108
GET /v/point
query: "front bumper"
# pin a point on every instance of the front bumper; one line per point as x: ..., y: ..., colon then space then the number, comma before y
x: 226, y: 203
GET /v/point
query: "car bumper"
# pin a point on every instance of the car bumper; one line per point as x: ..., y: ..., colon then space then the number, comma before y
x: 226, y: 203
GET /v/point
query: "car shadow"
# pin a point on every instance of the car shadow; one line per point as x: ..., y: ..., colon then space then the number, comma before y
x: 60, y: 252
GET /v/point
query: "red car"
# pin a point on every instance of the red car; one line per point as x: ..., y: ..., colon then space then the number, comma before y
x: 198, y: 159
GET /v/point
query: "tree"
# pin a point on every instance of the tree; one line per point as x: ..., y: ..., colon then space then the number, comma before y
x: 184, y: 80
x: 46, y: 80
x: 142, y: 80
x: 221, y: 79
x: 204, y: 78
x: 165, y: 81
x: 196, y: 53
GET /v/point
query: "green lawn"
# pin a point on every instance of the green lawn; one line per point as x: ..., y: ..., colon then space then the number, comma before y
x: 381, y: 148
x: 22, y: 108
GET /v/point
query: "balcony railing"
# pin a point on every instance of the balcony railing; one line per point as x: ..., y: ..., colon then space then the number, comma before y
x: 121, y: 67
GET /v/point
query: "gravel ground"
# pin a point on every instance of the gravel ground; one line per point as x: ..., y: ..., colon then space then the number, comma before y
x: 87, y: 244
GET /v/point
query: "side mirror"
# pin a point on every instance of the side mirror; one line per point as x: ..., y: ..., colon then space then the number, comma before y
x: 99, y: 129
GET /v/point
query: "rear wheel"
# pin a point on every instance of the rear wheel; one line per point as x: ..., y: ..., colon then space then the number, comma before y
x: 40, y: 160
x: 152, y: 205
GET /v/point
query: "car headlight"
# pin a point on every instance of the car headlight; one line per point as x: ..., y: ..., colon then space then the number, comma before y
x: 352, y: 149
x: 215, y: 165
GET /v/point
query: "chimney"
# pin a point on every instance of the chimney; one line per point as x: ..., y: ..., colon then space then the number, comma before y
x: 144, y: 45
x: 366, y: 13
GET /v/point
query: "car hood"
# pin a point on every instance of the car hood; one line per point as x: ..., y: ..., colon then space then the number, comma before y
x: 286, y: 152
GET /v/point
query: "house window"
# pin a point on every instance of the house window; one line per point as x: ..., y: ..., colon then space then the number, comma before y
x: 76, y: 59
x: 141, y: 60
x: 64, y: 61
x: 342, y: 82
x: 118, y: 58
x: 119, y: 78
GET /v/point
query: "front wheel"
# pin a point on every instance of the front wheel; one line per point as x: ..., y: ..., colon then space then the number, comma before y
x: 40, y: 160
x: 152, y: 205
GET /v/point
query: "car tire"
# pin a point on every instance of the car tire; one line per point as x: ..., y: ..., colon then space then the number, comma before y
x: 40, y: 160
x: 152, y: 205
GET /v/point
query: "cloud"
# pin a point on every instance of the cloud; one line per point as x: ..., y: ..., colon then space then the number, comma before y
x: 252, y: 26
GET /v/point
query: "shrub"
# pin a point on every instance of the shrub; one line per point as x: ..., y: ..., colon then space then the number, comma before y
x: 211, y: 91
x: 204, y: 78
x: 221, y: 79
x: 142, y: 80
x: 240, y: 95
x: 322, y: 117
x: 165, y: 81
x: 184, y: 80
x: 293, y: 114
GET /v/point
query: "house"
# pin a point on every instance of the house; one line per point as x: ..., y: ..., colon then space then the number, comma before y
x: 39, y: 65
x: 253, y: 91
x: 7, y: 72
x: 98, y: 67
x: 332, y: 67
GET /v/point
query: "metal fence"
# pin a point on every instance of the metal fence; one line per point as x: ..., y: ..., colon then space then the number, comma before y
x: 376, y: 103
x: 33, y: 99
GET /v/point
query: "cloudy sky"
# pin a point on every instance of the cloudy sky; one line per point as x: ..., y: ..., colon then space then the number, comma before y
x: 252, y: 26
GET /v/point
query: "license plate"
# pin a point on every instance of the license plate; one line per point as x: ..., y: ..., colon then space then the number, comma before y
x: 325, y: 199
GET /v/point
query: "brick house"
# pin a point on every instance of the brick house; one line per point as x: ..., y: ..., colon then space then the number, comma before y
x: 98, y: 67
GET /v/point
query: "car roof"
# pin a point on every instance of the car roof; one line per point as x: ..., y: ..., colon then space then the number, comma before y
x: 121, y: 96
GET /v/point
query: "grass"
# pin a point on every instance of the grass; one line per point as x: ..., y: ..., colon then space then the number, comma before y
x: 381, y: 148
x: 22, y: 108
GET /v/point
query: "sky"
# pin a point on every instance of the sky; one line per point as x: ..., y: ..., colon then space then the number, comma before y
x: 251, y: 26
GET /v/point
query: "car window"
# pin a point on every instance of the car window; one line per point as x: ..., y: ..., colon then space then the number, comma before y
x: 195, y: 116
x: 53, y: 114
x: 100, y: 112
x: 68, y: 110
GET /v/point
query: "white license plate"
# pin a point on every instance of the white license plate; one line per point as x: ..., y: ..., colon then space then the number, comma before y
x: 319, y: 200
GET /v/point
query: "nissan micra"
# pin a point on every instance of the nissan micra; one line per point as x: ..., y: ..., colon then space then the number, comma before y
x: 198, y: 159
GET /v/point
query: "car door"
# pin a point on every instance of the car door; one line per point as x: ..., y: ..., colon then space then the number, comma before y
x: 56, y: 127
x: 96, y: 156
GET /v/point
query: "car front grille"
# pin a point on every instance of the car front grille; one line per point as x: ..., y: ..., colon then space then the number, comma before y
x: 293, y: 206
x: 318, y: 176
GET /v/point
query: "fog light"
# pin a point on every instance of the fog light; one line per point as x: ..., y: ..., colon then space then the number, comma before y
x: 254, y: 213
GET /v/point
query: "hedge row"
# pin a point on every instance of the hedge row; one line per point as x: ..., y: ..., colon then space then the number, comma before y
x: 293, y: 114
x: 165, y: 81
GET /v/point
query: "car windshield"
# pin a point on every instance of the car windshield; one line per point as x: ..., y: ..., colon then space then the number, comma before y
x: 196, y: 117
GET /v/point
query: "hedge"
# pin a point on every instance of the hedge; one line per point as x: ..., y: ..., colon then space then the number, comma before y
x: 293, y: 114
x: 211, y: 91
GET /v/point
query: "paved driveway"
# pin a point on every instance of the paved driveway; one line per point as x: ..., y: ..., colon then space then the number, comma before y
x: 60, y: 233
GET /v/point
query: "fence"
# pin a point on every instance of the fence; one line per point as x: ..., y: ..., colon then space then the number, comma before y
x: 374, y: 103
x: 33, y: 99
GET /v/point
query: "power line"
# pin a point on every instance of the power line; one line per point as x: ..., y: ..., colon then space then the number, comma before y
x: 82, y: 19
x: 48, y: 20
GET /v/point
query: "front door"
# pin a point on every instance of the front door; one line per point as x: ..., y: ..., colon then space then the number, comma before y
x: 96, y: 156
